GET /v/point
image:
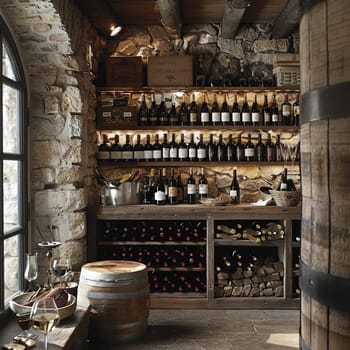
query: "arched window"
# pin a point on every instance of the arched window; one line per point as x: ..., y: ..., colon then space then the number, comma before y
x: 13, y: 168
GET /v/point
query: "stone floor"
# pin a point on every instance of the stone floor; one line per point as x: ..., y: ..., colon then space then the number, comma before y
x: 217, y: 330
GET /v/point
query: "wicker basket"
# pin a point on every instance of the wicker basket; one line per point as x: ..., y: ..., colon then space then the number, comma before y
x: 265, y: 193
x: 287, y: 75
x: 286, y: 198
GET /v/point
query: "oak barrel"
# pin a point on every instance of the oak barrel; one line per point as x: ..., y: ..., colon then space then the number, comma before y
x: 118, y: 293
x: 325, y: 175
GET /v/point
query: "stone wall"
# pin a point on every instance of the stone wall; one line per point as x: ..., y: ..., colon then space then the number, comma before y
x: 60, y: 51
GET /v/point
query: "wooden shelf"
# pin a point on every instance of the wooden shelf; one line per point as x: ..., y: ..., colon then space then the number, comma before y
x: 247, y: 243
x: 151, y: 243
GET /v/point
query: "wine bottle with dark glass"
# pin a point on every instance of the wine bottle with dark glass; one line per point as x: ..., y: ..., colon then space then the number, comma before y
x: 230, y: 149
x: 153, y: 112
x: 183, y: 149
x: 221, y: 149
x: 139, y: 153
x: 270, y: 149
x: 204, y: 112
x: 255, y: 112
x: 165, y: 149
x: 215, y: 112
x: 246, y: 115
x: 225, y: 113
x: 286, y: 111
x: 235, y: 192
x: 249, y: 150
x: 191, y: 188
x: 184, y: 116
x: 148, y: 150
x: 157, y: 149
x: 260, y: 150
x: 173, y: 149
x: 203, y: 186
x: 274, y: 112
x: 116, y: 150
x: 143, y: 114
x: 104, y: 150
x: 165, y: 181
x: 201, y: 149
x: 173, y: 115
x: 239, y: 149
x: 172, y: 188
x: 192, y: 149
x: 278, y: 149
x: 236, y: 113
x: 127, y: 150
x: 159, y: 195
x: 163, y: 116
x: 212, y: 152
x: 266, y: 112
x: 284, y: 181
x: 296, y: 110
x: 193, y: 112
x: 180, y: 187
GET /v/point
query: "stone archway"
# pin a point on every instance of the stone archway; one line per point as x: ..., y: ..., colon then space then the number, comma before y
x: 56, y: 43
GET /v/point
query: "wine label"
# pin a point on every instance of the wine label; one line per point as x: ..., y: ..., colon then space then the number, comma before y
x: 205, y: 117
x: 267, y: 117
x: 183, y: 154
x: 233, y: 193
x: 157, y: 154
x: 296, y: 110
x: 225, y: 116
x: 191, y: 189
x: 173, y: 153
x: 193, y: 117
x: 159, y: 196
x: 148, y: 154
x: 249, y: 152
x: 172, y: 191
x: 283, y: 186
x: 246, y: 117
x: 127, y: 155
x: 201, y: 153
x: 275, y: 117
x: 165, y: 152
x: 215, y: 116
x: 255, y: 117
x: 236, y: 117
x: 203, y: 188
x: 103, y: 155
x: 286, y: 110
x: 192, y: 152
x: 138, y: 154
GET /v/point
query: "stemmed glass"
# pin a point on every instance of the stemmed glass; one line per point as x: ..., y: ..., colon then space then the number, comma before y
x: 31, y: 269
x: 60, y: 268
x: 292, y: 150
x: 45, y: 317
x: 25, y: 323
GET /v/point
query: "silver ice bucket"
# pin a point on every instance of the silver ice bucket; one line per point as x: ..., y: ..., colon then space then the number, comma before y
x: 125, y: 193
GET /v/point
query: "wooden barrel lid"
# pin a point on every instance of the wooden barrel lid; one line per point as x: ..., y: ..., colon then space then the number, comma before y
x: 114, y: 266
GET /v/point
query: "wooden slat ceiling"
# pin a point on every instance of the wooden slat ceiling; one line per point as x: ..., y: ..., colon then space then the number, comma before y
x: 146, y: 12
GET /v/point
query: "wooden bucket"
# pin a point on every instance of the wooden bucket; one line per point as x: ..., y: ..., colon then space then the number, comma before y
x: 325, y: 170
x: 118, y: 293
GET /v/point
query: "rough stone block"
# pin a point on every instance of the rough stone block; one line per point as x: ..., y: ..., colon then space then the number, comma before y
x: 274, y: 45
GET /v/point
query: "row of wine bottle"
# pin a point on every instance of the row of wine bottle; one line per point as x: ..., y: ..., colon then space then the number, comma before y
x: 142, y: 231
x: 180, y: 282
x: 212, y: 151
x: 193, y: 114
x: 165, y: 256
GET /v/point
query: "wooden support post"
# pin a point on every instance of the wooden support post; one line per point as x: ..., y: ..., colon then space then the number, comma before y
x: 170, y: 17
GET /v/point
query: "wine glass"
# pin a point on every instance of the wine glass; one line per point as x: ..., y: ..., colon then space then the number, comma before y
x: 60, y: 268
x: 25, y: 323
x: 45, y: 317
x: 31, y: 269
x: 293, y: 148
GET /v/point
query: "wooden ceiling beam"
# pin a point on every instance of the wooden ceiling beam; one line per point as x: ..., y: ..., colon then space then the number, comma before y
x: 234, y: 11
x: 171, y: 17
x: 288, y: 21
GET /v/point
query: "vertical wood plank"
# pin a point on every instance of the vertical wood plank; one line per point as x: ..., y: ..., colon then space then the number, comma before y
x: 305, y: 54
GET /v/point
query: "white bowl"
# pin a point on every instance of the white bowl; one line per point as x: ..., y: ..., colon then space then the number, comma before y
x: 16, y: 305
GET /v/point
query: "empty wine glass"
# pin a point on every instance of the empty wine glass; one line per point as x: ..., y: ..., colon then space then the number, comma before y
x: 45, y: 317
x: 31, y: 269
x: 292, y: 150
x: 60, y: 268
x: 25, y: 323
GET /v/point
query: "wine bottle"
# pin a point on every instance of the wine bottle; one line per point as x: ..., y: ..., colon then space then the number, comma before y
x: 286, y: 111
x: 180, y: 187
x: 236, y: 113
x: 266, y: 112
x: 148, y: 149
x: 239, y: 149
x: 215, y: 112
x: 201, y: 149
x: 284, y: 181
x: 156, y: 149
x: 127, y: 150
x: 225, y: 113
x: 203, y: 186
x: 165, y: 181
x: 139, y: 153
x: 153, y: 112
x: 204, y: 112
x: 172, y: 188
x: 278, y: 150
x: 270, y: 149
x: 183, y: 149
x: 173, y: 149
x: 104, y: 150
x: 163, y: 116
x: 159, y: 195
x: 260, y: 150
x: 212, y: 149
x: 193, y: 112
x: 192, y: 149
x: 246, y: 116
x: 116, y: 150
x: 221, y: 150
x: 184, y: 116
x: 165, y: 149
x: 230, y: 149
x: 296, y: 111
x: 274, y: 112
x: 143, y: 114
x: 191, y: 188
x: 173, y: 116
x: 249, y: 150
x: 234, y: 189
x: 152, y: 186
x: 255, y: 112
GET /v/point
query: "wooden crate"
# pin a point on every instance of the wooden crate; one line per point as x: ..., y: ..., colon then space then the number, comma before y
x: 112, y: 117
x: 124, y: 71
x: 169, y: 71
x: 287, y: 75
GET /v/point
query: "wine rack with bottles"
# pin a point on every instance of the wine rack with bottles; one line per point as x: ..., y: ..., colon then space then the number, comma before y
x: 182, y: 249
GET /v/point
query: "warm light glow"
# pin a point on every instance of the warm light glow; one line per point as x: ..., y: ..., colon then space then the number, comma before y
x: 115, y: 30
x: 289, y: 340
